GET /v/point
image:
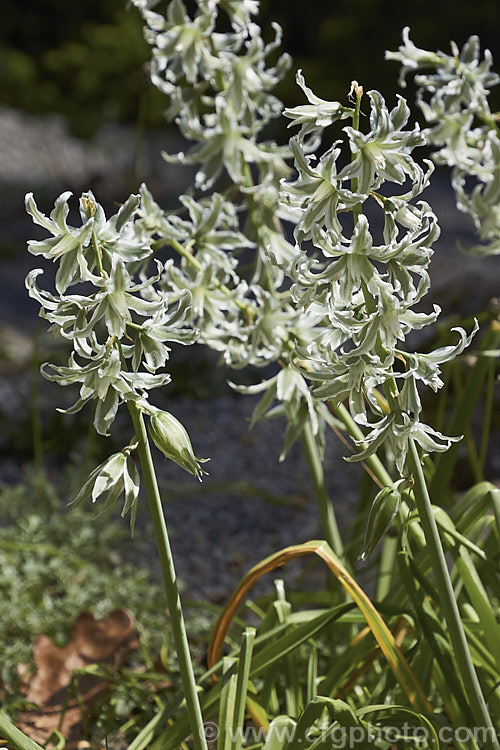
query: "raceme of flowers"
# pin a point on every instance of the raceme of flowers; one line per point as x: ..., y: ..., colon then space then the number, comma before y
x: 342, y: 323
x: 220, y: 95
x: 333, y: 306
x: 453, y: 96
x: 362, y: 290
x: 219, y: 85
x: 116, y: 318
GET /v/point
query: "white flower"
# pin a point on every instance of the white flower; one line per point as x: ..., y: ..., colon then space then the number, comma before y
x: 384, y: 153
x: 316, y: 115
x: 115, y: 476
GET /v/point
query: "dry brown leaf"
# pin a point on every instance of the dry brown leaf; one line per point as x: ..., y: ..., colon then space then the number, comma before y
x: 107, y: 641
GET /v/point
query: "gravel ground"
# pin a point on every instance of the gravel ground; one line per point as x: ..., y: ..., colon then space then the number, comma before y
x: 249, y: 506
x: 219, y: 532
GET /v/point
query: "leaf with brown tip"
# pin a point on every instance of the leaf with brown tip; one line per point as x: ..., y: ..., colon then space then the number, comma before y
x: 386, y: 641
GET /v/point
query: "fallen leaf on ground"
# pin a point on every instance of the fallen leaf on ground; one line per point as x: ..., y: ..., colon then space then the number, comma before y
x: 108, y: 641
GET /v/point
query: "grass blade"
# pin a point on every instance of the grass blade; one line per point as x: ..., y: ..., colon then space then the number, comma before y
x: 242, y: 685
x: 445, y: 463
x: 12, y: 734
x: 480, y: 602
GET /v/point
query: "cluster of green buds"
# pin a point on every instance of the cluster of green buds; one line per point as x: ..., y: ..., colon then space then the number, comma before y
x: 453, y: 96
x: 118, y: 322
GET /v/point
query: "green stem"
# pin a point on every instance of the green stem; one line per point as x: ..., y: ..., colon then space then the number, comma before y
x: 14, y: 736
x: 387, y: 566
x: 373, y: 462
x: 470, y: 681
x: 473, y: 456
x: 358, y: 93
x: 443, y: 397
x: 97, y: 254
x: 327, y: 514
x: 389, y: 548
x: 169, y: 579
x: 488, y: 415
x: 266, y: 279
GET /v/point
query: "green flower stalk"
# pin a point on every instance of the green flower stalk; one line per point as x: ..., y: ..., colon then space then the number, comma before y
x: 118, y: 332
x: 366, y: 292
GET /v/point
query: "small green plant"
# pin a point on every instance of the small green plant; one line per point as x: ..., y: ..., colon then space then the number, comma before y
x: 48, y: 583
x: 339, y: 242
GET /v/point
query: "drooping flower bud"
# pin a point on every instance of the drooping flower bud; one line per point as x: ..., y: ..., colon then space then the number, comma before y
x: 170, y: 436
x: 385, y: 505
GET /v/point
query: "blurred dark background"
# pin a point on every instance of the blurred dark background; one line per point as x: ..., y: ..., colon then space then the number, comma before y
x: 85, y: 58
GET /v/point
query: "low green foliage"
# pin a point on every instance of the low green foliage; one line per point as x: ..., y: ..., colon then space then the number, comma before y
x: 57, y: 563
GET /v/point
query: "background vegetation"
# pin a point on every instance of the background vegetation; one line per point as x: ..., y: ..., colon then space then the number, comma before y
x: 86, y: 59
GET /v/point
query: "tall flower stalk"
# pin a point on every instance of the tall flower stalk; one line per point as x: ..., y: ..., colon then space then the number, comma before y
x: 118, y: 331
x: 368, y: 292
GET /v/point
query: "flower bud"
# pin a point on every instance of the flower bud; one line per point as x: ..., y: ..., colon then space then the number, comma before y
x: 384, y: 508
x: 171, y: 438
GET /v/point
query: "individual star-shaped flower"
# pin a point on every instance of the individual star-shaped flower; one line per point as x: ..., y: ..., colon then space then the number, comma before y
x: 316, y: 115
x: 385, y: 152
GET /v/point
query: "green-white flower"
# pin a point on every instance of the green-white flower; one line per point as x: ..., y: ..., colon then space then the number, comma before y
x: 453, y: 94
x: 384, y: 153
x: 316, y: 115
x: 116, y: 475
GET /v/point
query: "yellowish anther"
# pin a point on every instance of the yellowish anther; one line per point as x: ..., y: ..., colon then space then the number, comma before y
x: 89, y: 206
x: 356, y: 91
x: 249, y: 315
